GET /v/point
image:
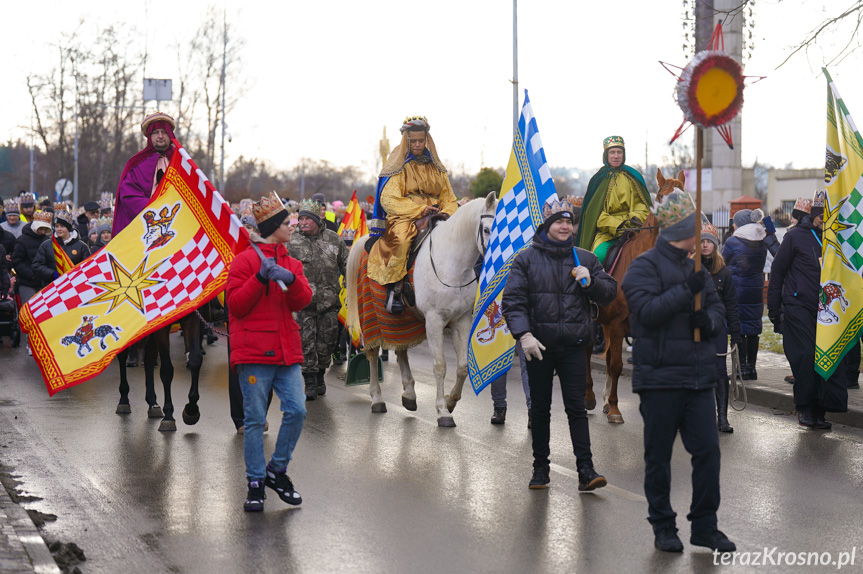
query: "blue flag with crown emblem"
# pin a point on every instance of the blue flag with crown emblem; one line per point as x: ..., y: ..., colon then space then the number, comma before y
x: 525, y: 188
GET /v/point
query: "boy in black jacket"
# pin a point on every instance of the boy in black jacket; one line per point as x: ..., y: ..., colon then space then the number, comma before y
x: 675, y: 376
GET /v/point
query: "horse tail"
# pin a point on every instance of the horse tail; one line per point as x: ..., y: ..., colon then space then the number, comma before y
x: 352, y: 286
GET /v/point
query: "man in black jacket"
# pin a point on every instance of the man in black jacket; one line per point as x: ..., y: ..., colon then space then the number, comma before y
x: 674, y: 376
x: 546, y: 305
x: 792, y: 305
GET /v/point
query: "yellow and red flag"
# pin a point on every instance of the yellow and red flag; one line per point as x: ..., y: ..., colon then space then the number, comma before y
x: 353, y: 227
x: 64, y: 264
x: 171, y: 259
x: 354, y: 219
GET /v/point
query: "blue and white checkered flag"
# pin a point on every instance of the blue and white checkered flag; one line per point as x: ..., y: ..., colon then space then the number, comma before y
x: 526, y: 187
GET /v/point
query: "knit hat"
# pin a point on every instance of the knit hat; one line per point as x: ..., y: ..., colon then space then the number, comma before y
x: 676, y: 216
x: 311, y: 208
x: 269, y: 214
x: 41, y: 220
x: 818, y: 203
x: 747, y: 216
x: 103, y: 224
x: 708, y: 231
x: 556, y: 208
x: 247, y: 218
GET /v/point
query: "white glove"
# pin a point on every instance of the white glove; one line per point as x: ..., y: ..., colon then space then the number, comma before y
x: 531, y: 346
x: 580, y: 273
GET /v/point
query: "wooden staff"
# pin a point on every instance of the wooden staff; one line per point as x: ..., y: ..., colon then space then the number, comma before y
x: 699, y: 154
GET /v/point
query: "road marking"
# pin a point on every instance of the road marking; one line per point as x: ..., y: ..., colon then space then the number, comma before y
x: 399, y: 409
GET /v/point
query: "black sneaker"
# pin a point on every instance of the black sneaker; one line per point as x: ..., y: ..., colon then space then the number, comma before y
x: 540, y: 478
x: 499, y: 416
x: 255, y: 497
x: 822, y: 424
x: 805, y: 419
x: 666, y: 539
x: 714, y: 540
x: 589, y: 479
x: 281, y: 483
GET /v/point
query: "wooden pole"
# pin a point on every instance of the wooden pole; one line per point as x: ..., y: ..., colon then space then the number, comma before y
x: 699, y: 145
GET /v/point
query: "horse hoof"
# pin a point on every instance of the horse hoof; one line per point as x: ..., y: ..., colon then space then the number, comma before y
x: 379, y: 408
x: 155, y: 412
x: 446, y: 422
x: 123, y: 409
x: 590, y: 404
x: 450, y: 403
x: 168, y: 426
x: 605, y: 409
x: 409, y: 404
x: 615, y: 419
x: 191, y: 414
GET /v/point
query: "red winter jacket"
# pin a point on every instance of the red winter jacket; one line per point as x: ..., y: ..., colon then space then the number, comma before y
x: 263, y: 329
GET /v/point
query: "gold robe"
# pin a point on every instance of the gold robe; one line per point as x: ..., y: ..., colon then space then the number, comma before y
x: 404, y: 198
x: 623, y: 202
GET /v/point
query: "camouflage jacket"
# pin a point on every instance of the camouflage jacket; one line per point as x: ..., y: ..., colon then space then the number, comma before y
x: 324, y: 257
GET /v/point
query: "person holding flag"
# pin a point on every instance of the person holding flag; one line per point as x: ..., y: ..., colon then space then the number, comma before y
x: 546, y: 304
x: 64, y: 251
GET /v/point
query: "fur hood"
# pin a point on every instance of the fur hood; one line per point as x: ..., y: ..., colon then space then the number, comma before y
x: 751, y: 232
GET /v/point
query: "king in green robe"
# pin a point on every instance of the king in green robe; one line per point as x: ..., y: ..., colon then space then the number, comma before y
x: 617, y: 199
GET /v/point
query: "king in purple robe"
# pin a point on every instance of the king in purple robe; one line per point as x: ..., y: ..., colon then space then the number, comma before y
x: 144, y: 171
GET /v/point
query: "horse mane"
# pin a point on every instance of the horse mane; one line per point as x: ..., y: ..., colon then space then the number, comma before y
x: 461, y: 225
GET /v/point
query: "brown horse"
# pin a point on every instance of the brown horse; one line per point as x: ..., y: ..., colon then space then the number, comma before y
x: 615, y: 317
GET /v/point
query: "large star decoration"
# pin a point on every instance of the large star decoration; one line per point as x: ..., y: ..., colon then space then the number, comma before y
x: 125, y: 286
x: 833, y: 227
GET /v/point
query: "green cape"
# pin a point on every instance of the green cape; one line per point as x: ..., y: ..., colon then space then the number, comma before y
x: 594, y: 201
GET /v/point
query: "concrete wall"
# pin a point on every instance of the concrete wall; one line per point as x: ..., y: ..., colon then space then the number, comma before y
x: 789, y: 184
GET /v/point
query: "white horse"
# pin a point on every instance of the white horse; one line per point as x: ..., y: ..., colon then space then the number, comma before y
x: 445, y: 288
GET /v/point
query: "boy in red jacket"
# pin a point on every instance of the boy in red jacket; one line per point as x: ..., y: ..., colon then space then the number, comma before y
x: 266, y: 350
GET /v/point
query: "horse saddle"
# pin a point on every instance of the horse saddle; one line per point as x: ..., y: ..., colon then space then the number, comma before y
x: 613, y: 253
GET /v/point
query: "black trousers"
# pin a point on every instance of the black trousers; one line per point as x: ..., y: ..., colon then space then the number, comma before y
x: 665, y: 412
x: 852, y: 364
x: 571, y: 368
x: 811, y: 392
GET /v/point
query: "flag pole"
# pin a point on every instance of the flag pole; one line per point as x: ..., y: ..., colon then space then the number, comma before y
x: 699, y: 145
x: 514, y: 66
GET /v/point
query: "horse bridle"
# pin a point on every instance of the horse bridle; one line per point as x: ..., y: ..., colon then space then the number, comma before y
x: 480, y: 239
x: 645, y: 227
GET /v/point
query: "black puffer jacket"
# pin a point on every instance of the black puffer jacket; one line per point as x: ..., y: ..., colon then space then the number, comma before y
x: 542, y: 297
x: 5, y: 282
x: 795, y: 275
x: 664, y: 353
x: 7, y: 240
x: 45, y: 264
x: 23, y: 256
x: 724, y: 284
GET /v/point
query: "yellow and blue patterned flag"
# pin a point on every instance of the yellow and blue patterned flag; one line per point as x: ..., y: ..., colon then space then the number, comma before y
x: 840, y: 308
x: 527, y: 185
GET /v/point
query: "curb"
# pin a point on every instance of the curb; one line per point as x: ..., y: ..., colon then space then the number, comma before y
x: 27, y: 533
x: 761, y: 396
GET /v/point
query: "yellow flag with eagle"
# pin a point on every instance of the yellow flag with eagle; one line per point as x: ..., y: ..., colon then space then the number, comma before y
x: 840, y: 307
x: 171, y: 259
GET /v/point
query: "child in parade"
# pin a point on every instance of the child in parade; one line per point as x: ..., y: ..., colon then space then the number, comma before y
x: 266, y: 350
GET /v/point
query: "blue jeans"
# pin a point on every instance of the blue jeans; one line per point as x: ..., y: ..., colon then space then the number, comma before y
x: 498, y: 386
x: 256, y: 381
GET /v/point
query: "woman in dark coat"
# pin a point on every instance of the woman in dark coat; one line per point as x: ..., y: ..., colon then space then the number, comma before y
x: 546, y: 306
x: 722, y: 281
x: 745, y: 254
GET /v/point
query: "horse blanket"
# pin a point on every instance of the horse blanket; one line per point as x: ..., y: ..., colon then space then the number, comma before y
x: 396, y: 332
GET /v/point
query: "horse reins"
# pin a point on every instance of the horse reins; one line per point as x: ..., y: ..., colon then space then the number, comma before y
x: 479, y: 239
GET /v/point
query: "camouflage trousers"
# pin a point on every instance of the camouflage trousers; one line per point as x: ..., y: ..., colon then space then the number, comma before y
x: 320, y: 335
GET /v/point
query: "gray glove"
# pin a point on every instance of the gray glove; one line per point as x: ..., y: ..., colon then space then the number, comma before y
x: 267, y: 266
x: 278, y: 273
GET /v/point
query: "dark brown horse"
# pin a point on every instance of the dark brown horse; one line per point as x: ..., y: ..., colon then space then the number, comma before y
x: 615, y: 317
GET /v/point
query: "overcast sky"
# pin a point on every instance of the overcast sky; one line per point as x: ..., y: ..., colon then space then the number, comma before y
x: 326, y: 77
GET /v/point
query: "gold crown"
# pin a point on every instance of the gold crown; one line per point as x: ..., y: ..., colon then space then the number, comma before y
x: 61, y: 211
x: 27, y: 198
x: 11, y: 204
x: 803, y: 204
x: 707, y: 227
x: 415, y: 122
x: 349, y: 234
x: 820, y: 198
x: 555, y: 205
x: 612, y: 141
x: 267, y: 207
x: 675, y: 208
x: 44, y: 217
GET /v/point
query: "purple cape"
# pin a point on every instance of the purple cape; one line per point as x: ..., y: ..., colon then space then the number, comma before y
x: 133, y: 194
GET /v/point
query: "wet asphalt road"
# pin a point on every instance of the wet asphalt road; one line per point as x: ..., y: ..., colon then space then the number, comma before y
x: 395, y: 493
